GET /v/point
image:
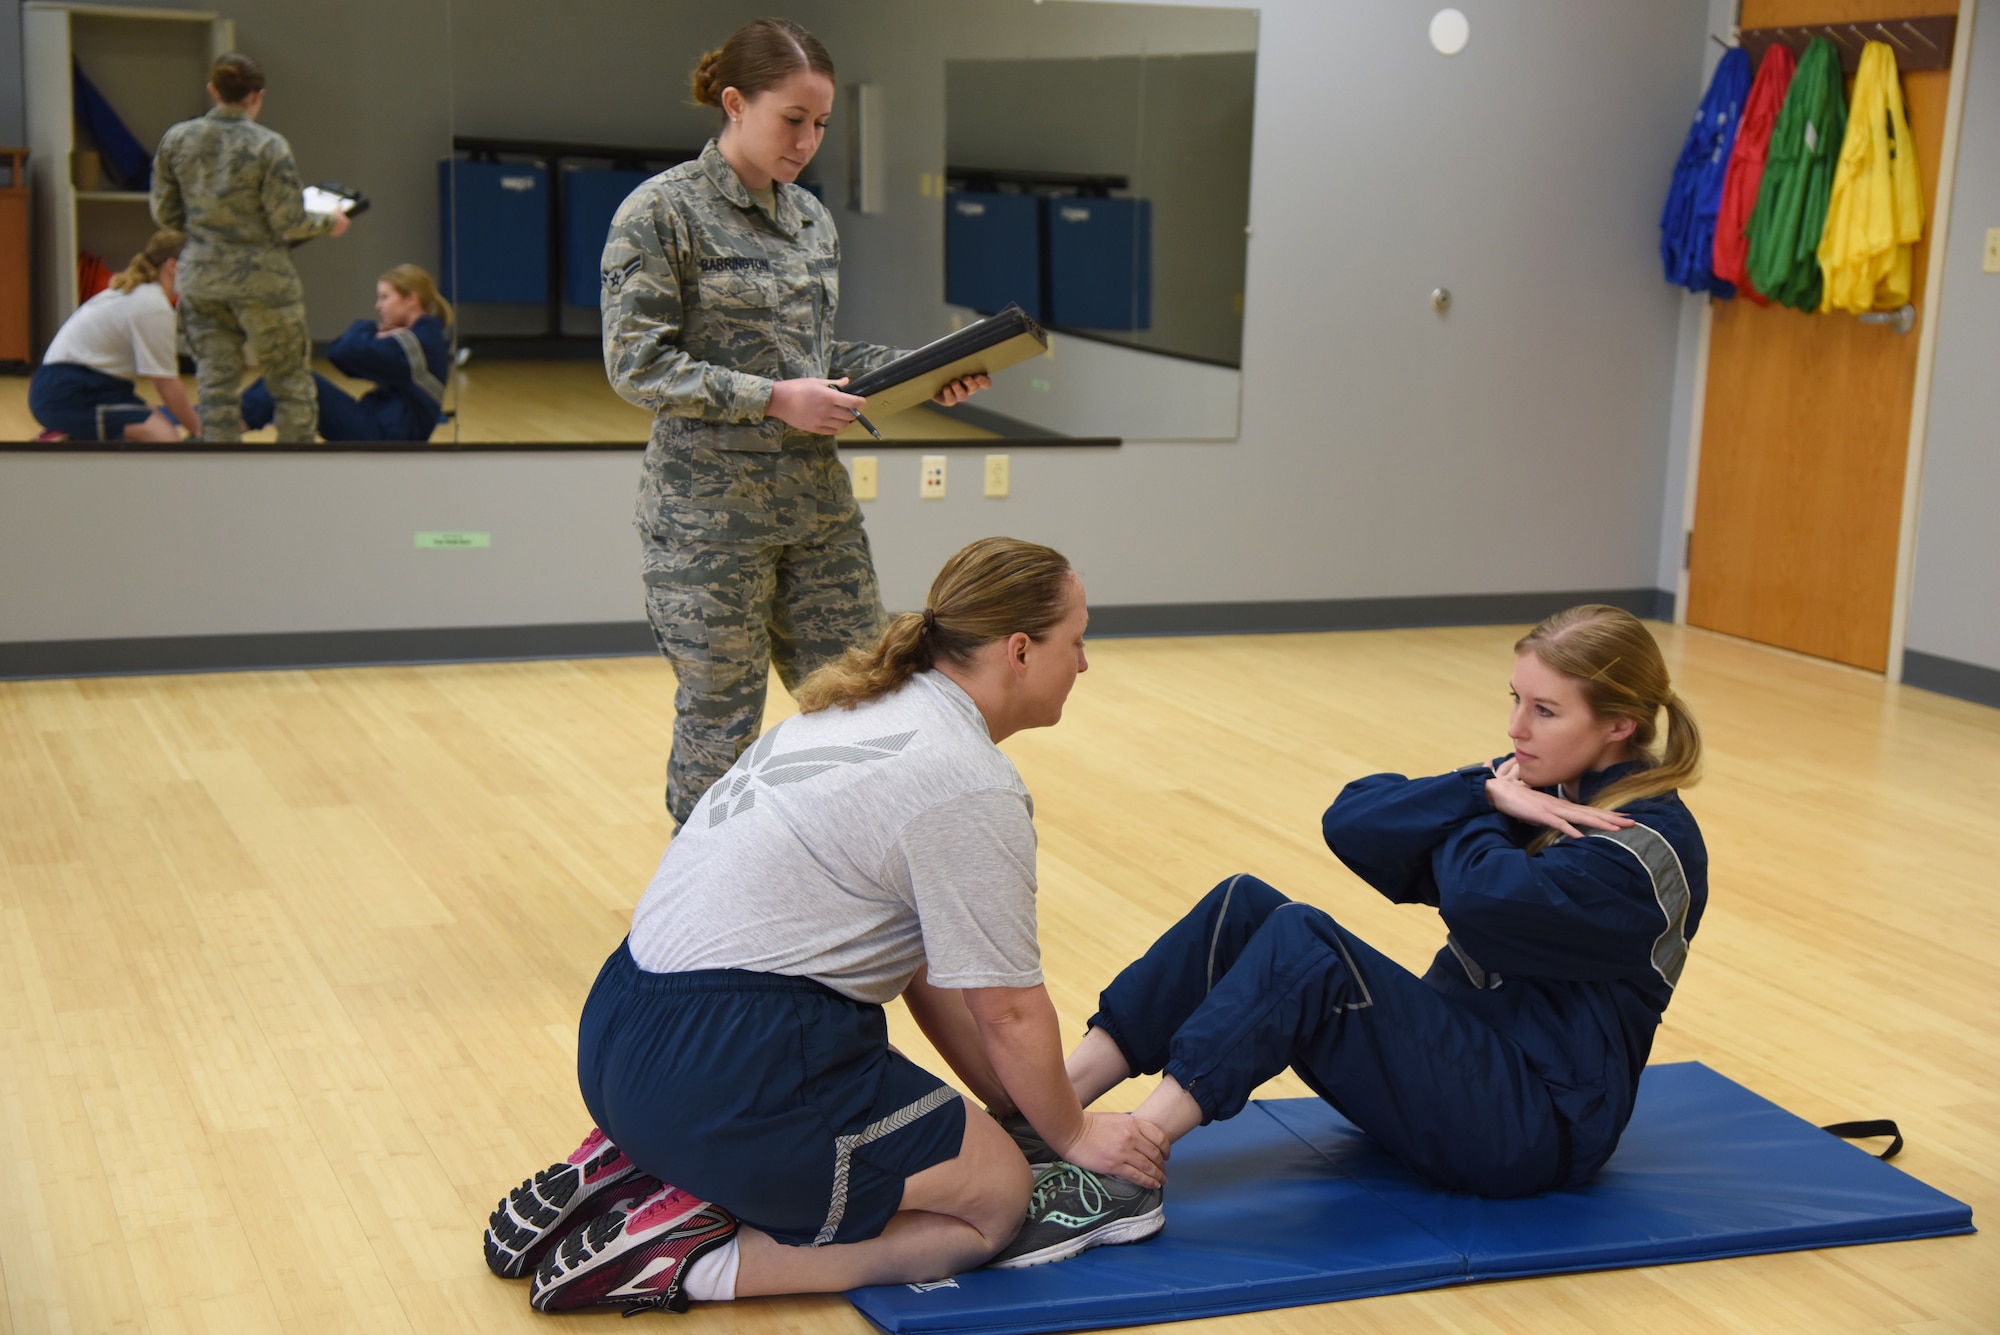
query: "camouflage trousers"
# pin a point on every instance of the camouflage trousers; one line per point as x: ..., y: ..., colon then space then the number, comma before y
x: 725, y: 613
x: 217, y: 329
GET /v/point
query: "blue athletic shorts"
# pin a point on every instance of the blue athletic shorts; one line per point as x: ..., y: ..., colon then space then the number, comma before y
x: 774, y: 1097
x: 83, y: 402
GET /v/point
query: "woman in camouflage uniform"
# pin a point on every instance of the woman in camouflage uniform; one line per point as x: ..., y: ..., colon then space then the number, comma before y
x: 720, y: 282
x: 232, y: 186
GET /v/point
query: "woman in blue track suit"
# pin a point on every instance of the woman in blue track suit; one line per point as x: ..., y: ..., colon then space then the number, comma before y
x: 407, y: 353
x: 1570, y: 878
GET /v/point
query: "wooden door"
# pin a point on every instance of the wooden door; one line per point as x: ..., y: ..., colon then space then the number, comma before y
x: 1799, y: 495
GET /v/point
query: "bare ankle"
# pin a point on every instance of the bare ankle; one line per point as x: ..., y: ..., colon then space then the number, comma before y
x: 1170, y: 1108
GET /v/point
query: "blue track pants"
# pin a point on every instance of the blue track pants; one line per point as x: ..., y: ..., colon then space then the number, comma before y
x: 341, y: 416
x: 1250, y: 983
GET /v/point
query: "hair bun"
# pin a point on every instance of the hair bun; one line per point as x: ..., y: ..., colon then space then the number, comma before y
x: 705, y: 87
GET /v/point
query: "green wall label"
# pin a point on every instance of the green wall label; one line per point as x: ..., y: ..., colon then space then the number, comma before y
x: 454, y: 539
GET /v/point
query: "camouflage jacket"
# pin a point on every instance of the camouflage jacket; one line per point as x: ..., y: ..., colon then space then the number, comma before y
x: 232, y: 186
x: 708, y: 300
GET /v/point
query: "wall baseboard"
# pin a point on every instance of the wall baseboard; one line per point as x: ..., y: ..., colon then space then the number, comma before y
x: 1949, y: 676
x: 1470, y: 609
x: 29, y: 659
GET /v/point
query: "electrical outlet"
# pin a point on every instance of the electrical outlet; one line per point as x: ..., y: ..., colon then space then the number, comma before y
x: 996, y: 475
x: 1992, y: 264
x: 931, y: 484
x: 865, y: 479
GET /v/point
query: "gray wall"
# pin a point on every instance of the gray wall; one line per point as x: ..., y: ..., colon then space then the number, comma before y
x: 1674, y: 515
x: 1519, y: 443
x: 1955, y: 601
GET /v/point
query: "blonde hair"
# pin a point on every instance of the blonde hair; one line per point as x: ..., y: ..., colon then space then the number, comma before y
x: 759, y: 55
x: 413, y: 281
x: 145, y: 266
x: 987, y: 591
x: 1616, y: 664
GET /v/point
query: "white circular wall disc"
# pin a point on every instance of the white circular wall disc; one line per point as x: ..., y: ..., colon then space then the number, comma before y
x: 1449, y: 31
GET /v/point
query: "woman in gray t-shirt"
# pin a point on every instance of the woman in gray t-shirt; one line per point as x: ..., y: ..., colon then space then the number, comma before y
x: 877, y: 845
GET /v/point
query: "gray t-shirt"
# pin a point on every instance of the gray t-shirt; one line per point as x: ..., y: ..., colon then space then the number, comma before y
x: 852, y: 846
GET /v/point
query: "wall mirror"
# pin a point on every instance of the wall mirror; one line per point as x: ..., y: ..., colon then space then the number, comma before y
x: 494, y: 138
x: 1089, y: 116
x: 363, y: 94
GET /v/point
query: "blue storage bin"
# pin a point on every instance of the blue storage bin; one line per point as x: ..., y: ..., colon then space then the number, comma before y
x: 992, y: 251
x: 591, y: 195
x: 1101, y: 263
x: 500, y: 243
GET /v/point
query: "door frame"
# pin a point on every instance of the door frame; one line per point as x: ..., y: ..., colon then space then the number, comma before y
x: 1940, y: 229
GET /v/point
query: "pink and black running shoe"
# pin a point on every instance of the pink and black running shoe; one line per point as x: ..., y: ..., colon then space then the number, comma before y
x: 634, y: 1257
x: 533, y: 1216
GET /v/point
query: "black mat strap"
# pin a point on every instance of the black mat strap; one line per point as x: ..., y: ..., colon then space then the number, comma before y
x: 1864, y: 1130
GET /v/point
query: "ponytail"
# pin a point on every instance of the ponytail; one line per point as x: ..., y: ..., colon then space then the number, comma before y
x: 1618, y: 667
x: 1678, y: 765
x: 865, y: 674
x: 145, y: 266
x: 987, y: 591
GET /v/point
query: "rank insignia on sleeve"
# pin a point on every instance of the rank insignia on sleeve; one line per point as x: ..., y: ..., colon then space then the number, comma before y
x: 614, y: 279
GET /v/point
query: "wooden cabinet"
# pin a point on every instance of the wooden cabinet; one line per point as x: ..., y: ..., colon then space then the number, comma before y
x: 16, y: 338
x: 152, y: 65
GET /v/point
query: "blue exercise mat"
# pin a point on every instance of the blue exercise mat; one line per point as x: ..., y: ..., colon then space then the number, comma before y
x: 1288, y: 1204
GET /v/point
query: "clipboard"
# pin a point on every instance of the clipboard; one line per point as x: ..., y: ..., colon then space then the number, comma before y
x: 327, y: 198
x: 981, y: 348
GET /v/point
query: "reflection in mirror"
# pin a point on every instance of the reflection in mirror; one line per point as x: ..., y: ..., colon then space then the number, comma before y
x: 362, y: 105
x: 1109, y: 193
x: 1113, y: 192
x: 560, y: 112
x: 581, y: 101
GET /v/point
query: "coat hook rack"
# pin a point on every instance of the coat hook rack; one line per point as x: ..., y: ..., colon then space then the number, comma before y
x: 1892, y: 37
x: 1929, y: 48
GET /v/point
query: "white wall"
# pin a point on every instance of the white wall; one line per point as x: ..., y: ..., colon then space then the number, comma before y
x: 1517, y: 444
x: 1955, y: 598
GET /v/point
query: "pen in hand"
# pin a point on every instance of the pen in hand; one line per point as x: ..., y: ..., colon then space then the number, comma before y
x: 866, y: 425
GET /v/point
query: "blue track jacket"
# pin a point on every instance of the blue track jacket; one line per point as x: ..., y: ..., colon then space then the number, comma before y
x: 1572, y: 953
x: 408, y: 368
x: 1694, y: 195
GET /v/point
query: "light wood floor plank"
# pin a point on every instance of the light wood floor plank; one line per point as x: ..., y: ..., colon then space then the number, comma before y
x: 290, y: 963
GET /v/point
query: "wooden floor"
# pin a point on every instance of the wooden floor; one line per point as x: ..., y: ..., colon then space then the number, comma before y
x: 290, y: 963
x: 524, y: 403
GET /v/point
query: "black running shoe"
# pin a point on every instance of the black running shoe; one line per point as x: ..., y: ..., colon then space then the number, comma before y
x: 534, y: 1216
x: 1033, y: 1147
x: 635, y: 1257
x: 1074, y: 1209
